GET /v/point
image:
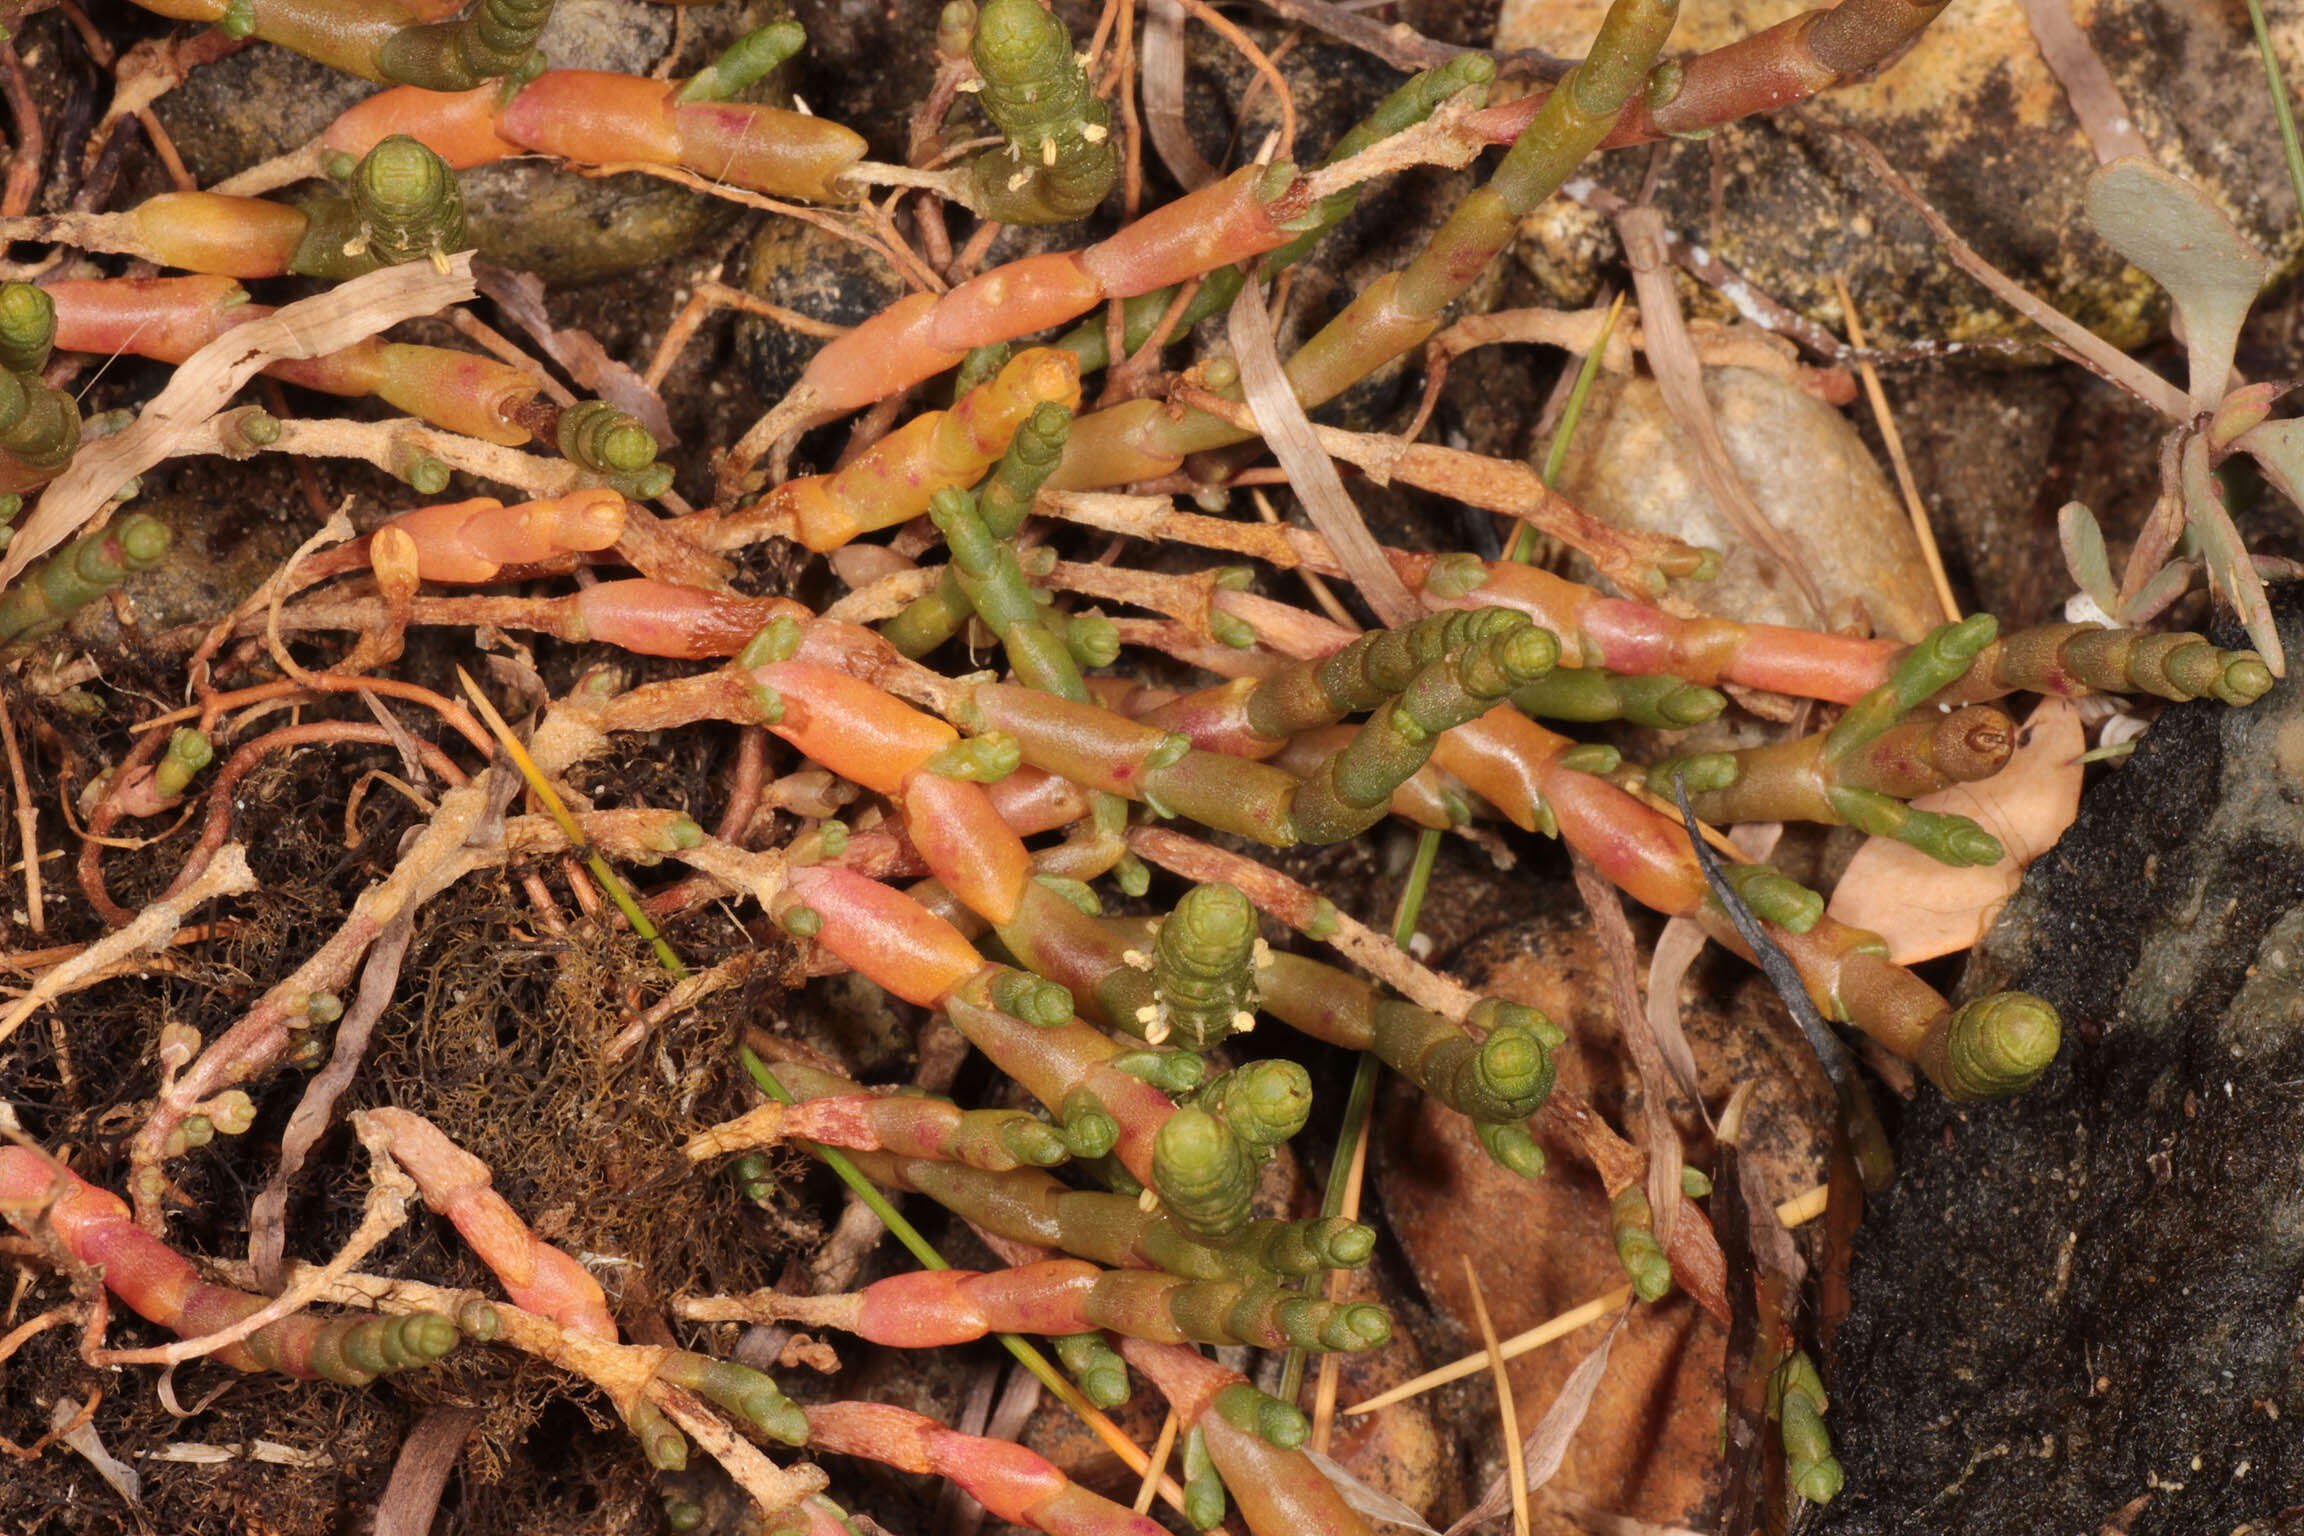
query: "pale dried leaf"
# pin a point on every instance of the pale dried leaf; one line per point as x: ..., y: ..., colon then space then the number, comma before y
x: 2167, y: 227
x: 1547, y: 1444
x: 521, y: 296
x: 1680, y: 379
x: 90, y: 1445
x: 1659, y: 1137
x: 1162, y: 73
x: 2073, y: 59
x: 1924, y: 909
x: 206, y: 381
x: 1280, y: 417
x: 1677, y: 947
x: 1375, y: 1503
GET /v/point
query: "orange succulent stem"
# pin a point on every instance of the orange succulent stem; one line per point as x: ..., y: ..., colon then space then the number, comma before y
x: 169, y: 318
x: 1279, y: 1489
x: 1014, y: 1484
x: 537, y: 1276
x: 918, y: 337
x: 40, y: 1196
x: 591, y: 117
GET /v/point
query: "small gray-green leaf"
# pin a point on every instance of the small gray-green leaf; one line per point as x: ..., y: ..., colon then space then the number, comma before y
x: 2230, y: 570
x: 2168, y: 227
x: 2279, y: 447
x: 2084, y: 555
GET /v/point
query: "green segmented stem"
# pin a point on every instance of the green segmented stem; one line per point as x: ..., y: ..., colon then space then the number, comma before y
x: 1146, y: 1304
x: 1706, y: 773
x: 603, y: 439
x: 1264, y: 1103
x: 1204, y: 1176
x: 1401, y: 309
x: 1796, y: 1398
x: 929, y: 620
x: 1260, y: 1413
x: 1031, y: 999
x: 979, y: 366
x: 27, y: 327
x: 1432, y: 1051
x: 745, y: 62
x: 1636, y: 1246
x: 1511, y: 1148
x: 1365, y: 673
x: 1096, y: 1366
x: 47, y: 595
x: 984, y: 759
x: 495, y: 38
x: 1412, y: 103
x: 1030, y: 1206
x: 663, y: 1444
x: 1204, y: 1501
x: 189, y: 751
x: 1953, y: 840
x: 46, y: 433
x: 409, y: 202
x: 1933, y: 665
x: 752, y: 1396
x: 1172, y: 1072
x: 1093, y: 640
x: 350, y: 1351
x: 418, y: 470
x: 1992, y: 1047
x: 1087, y: 1126
x: 1003, y: 502
x: 1009, y: 491
x: 1204, y: 967
x: 1060, y: 159
x: 403, y: 204
x: 1593, y: 694
x: 2169, y: 666
x: 1352, y: 790
x: 1500, y: 1080
x: 1774, y: 897
x: 986, y: 570
x: 1019, y: 1137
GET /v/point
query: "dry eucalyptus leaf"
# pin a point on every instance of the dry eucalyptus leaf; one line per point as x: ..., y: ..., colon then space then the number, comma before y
x: 1924, y: 909
x: 2167, y: 227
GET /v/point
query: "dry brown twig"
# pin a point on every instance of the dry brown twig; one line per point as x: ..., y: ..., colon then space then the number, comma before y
x: 227, y: 875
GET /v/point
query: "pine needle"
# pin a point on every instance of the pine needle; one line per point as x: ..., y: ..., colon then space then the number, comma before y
x: 1913, y: 506
x: 546, y: 796
x: 876, y: 1201
x: 1514, y: 1468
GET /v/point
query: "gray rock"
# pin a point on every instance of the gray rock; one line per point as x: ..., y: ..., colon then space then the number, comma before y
x: 1806, y: 467
x: 2088, y: 1295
